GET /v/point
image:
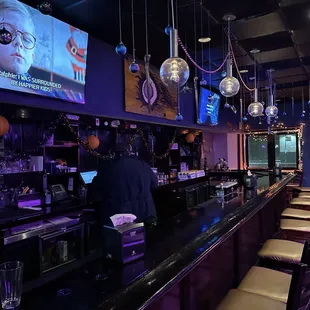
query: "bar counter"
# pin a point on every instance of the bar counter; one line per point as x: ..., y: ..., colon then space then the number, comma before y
x: 191, y: 261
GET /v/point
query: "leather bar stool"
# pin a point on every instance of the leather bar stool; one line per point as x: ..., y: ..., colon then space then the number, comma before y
x: 274, y: 284
x: 284, y: 254
x: 300, y: 203
x: 241, y: 300
x: 296, y: 214
x: 295, y: 229
x: 304, y: 195
x: 303, y: 189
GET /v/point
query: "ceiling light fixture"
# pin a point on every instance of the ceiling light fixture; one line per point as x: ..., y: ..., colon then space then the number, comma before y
x: 244, y: 71
x: 229, y: 86
x: 204, y: 39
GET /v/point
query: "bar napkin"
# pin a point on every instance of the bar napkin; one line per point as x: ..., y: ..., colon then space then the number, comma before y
x: 120, y: 219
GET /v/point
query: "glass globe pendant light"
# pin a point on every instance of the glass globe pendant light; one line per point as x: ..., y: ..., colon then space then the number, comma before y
x: 255, y: 109
x: 271, y: 111
x: 229, y: 86
x: 174, y: 72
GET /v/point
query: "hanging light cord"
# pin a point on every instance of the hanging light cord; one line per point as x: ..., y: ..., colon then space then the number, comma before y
x: 209, y: 34
x: 146, y: 28
x: 133, y: 31
x: 172, y: 14
x: 195, y: 63
x: 168, y: 10
x: 195, y: 39
x: 255, y: 74
x: 201, y: 35
x: 176, y: 15
x: 235, y: 63
x: 120, y: 21
x: 302, y: 100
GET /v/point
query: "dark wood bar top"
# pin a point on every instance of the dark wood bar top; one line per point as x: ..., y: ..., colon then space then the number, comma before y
x: 175, y: 247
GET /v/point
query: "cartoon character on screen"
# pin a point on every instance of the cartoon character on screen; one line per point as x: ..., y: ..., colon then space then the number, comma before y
x: 77, y: 48
x: 17, y: 57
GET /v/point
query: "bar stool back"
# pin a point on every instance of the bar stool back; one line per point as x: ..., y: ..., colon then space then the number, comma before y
x: 275, y: 284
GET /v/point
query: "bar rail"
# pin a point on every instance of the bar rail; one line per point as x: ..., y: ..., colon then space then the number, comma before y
x: 146, y: 290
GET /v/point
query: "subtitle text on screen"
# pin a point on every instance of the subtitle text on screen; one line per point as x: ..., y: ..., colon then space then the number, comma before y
x: 30, y: 82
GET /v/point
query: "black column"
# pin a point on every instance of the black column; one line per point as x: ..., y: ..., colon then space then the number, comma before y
x: 271, y: 152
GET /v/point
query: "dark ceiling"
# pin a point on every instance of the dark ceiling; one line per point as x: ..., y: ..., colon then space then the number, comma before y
x: 279, y: 28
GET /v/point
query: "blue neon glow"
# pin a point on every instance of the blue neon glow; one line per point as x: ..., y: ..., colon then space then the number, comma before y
x: 208, y: 110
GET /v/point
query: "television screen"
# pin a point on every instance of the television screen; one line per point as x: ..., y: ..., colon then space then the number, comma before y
x: 43, y: 55
x: 208, y: 108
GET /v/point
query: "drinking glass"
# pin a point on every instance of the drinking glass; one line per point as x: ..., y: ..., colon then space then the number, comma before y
x: 11, y: 282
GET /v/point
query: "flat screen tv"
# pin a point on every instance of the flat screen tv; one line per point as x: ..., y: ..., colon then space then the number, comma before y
x: 208, y: 107
x: 45, y: 56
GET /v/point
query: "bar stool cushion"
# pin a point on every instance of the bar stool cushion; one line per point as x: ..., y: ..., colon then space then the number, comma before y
x: 241, y: 300
x: 267, y: 282
x: 282, y: 250
x: 303, y: 189
x: 300, y: 201
x: 304, y: 195
x: 296, y: 225
x: 296, y: 213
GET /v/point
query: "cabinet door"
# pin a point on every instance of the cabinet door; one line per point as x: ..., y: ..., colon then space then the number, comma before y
x: 61, y: 247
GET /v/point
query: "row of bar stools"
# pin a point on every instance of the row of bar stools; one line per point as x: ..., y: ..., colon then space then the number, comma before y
x: 266, y: 289
x: 295, y: 222
x: 263, y: 288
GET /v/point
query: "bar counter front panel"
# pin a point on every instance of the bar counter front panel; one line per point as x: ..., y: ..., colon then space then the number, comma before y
x: 192, y: 260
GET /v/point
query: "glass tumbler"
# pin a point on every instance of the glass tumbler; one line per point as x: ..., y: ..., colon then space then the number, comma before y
x: 11, y: 283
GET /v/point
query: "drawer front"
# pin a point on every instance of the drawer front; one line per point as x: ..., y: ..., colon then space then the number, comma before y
x: 133, y: 251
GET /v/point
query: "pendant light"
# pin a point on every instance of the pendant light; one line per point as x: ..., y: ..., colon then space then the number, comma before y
x: 179, y: 116
x: 271, y: 111
x: 309, y: 94
x: 196, y: 73
x: 303, y: 113
x: 244, y: 118
x: 202, y: 82
x: 147, y: 58
x: 174, y: 72
x: 293, y: 101
x: 229, y: 86
x: 255, y: 109
x: 120, y: 49
x: 284, y: 108
x: 133, y: 67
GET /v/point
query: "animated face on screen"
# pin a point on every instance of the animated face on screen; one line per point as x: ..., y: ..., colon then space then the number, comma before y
x: 17, y: 57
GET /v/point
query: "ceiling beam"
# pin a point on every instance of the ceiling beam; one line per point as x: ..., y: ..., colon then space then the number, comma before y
x: 295, y: 46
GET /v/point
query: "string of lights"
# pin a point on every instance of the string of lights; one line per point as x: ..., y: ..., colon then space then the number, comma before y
x: 146, y: 144
x: 275, y: 129
x: 62, y: 119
